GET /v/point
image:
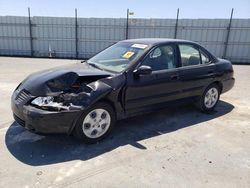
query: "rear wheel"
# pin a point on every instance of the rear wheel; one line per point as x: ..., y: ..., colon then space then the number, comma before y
x: 96, y: 123
x: 209, y: 98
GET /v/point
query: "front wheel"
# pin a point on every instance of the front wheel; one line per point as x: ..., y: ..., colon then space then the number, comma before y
x: 209, y: 98
x: 96, y: 123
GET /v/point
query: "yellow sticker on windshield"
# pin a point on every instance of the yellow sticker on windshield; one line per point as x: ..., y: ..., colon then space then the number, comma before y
x: 128, y: 55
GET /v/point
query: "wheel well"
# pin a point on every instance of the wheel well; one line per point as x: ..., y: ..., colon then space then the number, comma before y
x: 219, y: 84
x: 105, y: 100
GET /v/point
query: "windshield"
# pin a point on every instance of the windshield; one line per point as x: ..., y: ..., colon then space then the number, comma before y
x: 117, y: 57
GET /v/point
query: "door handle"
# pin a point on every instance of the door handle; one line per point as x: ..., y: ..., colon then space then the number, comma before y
x: 174, y: 77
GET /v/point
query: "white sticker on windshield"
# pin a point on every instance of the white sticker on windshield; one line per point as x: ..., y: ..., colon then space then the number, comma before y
x: 141, y: 46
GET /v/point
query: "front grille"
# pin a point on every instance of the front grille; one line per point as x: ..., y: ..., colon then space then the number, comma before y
x: 19, y: 120
x: 22, y: 97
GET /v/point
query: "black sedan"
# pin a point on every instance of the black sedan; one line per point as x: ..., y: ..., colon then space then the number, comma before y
x: 129, y: 78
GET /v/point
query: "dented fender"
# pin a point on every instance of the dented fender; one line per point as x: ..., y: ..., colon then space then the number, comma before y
x: 100, y: 90
x: 90, y: 94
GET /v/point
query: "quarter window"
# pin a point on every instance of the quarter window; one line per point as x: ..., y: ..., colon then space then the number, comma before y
x: 204, y: 58
x: 161, y: 58
x: 189, y: 55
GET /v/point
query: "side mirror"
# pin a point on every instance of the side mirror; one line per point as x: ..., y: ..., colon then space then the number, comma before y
x: 143, y: 70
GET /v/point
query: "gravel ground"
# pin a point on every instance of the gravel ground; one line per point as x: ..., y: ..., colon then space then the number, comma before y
x: 175, y: 147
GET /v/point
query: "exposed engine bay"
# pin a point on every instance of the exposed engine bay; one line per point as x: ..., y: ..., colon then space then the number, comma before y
x: 76, y: 97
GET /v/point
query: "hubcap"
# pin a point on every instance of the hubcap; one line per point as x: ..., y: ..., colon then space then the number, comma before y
x: 96, y: 123
x: 211, y: 97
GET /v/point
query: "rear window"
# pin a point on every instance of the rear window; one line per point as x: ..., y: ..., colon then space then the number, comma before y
x: 189, y: 55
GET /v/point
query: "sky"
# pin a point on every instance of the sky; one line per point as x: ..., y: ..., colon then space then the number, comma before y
x: 117, y: 9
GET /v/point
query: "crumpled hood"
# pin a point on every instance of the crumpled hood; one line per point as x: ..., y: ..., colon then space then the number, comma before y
x: 60, y: 78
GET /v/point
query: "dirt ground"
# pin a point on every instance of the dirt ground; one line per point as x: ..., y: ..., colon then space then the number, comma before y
x: 175, y: 147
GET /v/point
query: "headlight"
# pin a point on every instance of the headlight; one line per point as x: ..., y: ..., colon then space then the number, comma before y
x: 49, y: 103
x: 43, y: 101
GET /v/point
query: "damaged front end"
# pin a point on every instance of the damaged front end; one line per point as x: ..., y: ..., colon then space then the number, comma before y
x: 53, y: 101
x: 79, y: 97
x: 65, y: 88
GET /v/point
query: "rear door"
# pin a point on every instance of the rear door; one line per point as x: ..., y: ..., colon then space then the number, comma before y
x: 160, y: 86
x: 196, y: 71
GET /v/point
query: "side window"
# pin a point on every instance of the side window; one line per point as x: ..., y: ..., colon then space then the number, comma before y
x: 161, y: 58
x: 189, y: 55
x: 204, y: 58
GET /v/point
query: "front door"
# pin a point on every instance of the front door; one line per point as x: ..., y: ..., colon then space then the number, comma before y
x: 145, y: 92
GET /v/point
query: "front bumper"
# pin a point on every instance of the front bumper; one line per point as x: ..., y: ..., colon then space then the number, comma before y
x: 43, y: 121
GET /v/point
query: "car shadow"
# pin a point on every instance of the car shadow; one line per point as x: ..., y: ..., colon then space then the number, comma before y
x: 36, y: 150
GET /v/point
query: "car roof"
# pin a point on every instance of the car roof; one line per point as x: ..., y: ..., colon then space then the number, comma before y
x: 154, y: 41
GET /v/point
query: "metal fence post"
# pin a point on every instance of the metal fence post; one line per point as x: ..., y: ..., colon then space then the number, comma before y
x: 228, y: 33
x: 127, y: 24
x: 76, y: 34
x: 176, y: 24
x: 30, y: 33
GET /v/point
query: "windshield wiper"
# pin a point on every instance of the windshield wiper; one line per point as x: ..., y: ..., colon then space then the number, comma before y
x: 94, y: 65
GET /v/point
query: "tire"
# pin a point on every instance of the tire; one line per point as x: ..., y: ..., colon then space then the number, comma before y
x: 209, y: 99
x: 96, y: 123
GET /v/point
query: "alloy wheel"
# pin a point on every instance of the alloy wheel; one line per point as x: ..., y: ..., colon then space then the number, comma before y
x: 211, y: 97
